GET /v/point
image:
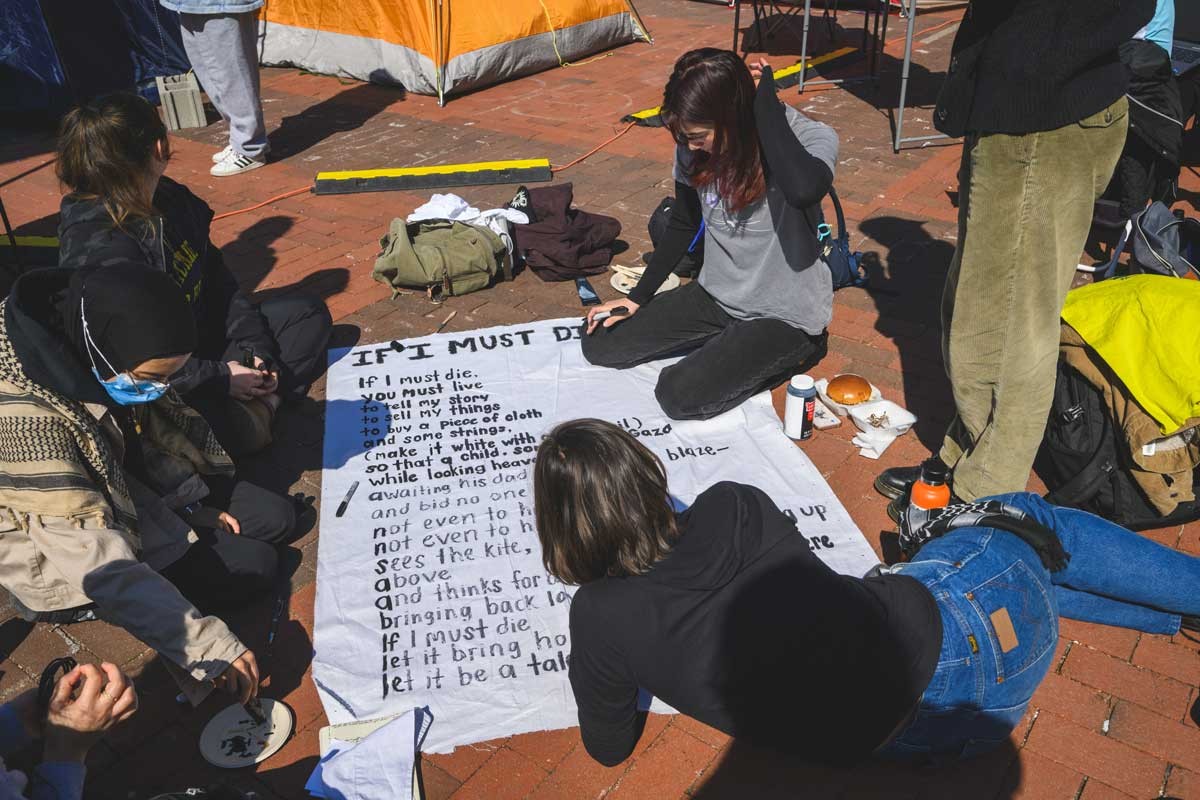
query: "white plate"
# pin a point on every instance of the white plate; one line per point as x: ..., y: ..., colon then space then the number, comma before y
x: 625, y: 285
x: 232, y: 739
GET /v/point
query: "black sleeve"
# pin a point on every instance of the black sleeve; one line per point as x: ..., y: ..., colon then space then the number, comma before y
x: 244, y: 325
x: 609, y: 721
x: 681, y: 230
x: 199, y: 372
x: 802, y: 177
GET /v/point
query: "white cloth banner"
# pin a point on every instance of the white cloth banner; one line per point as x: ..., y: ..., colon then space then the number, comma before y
x: 430, y: 588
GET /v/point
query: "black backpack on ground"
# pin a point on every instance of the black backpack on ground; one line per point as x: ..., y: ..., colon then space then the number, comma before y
x: 693, y: 259
x: 1085, y: 466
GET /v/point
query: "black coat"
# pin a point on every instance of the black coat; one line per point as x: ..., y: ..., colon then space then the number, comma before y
x: 176, y: 242
x: 1022, y: 66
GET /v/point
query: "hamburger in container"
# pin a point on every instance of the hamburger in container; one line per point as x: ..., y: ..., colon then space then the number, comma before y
x: 845, y: 391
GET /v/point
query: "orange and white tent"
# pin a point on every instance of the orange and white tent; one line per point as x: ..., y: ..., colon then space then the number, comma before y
x: 440, y: 47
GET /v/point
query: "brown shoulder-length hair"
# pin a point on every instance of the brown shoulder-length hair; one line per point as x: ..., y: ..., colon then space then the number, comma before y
x: 105, y: 147
x: 711, y: 87
x: 601, y: 503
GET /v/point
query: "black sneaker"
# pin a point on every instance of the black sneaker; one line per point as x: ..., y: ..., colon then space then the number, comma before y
x: 897, y: 481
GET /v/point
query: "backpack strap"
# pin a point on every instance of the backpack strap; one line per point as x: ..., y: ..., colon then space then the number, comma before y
x: 841, y: 218
x: 1087, y: 482
x: 1110, y: 268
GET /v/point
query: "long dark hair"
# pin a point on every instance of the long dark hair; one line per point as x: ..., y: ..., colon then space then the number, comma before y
x: 105, y: 147
x: 601, y: 503
x: 713, y: 87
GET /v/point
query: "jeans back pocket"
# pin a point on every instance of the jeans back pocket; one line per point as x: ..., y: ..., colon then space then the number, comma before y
x: 1021, y: 621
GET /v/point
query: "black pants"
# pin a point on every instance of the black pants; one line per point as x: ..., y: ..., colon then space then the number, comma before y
x: 301, y: 326
x: 224, y: 571
x: 731, y: 359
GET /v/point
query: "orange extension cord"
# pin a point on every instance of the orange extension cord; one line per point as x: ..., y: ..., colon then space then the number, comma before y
x: 553, y: 169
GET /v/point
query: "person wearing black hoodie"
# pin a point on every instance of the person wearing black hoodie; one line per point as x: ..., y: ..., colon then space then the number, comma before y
x: 120, y: 208
x: 116, y: 500
x: 724, y: 612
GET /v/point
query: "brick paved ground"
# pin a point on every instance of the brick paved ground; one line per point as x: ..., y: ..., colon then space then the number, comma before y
x: 1113, y: 719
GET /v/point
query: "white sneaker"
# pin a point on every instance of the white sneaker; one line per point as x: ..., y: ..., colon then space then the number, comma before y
x: 222, y: 154
x: 234, y: 164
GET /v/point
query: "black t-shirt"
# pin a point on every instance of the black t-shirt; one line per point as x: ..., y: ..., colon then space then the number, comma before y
x: 742, y: 627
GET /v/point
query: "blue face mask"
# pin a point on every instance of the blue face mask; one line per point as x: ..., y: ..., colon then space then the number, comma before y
x: 123, y: 388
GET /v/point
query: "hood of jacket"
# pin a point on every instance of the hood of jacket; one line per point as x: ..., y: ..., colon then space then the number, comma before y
x: 88, y: 237
x: 34, y: 316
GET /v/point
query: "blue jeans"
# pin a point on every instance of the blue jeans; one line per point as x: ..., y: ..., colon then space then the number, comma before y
x: 1000, y: 609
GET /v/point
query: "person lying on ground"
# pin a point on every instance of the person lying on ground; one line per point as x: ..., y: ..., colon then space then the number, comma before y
x: 120, y: 208
x: 753, y: 172
x: 116, y: 500
x: 723, y: 611
x: 85, y: 703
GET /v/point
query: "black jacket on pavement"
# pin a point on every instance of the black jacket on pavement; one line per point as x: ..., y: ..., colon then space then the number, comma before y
x: 176, y: 242
x: 1022, y: 66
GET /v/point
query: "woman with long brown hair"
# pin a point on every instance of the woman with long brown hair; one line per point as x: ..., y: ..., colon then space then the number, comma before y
x: 722, y: 611
x: 750, y: 173
x: 121, y: 208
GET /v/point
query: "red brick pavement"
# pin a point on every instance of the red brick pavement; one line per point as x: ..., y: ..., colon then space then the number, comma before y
x: 1113, y: 719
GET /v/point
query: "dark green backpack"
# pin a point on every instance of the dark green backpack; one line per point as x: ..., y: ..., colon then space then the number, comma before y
x: 440, y: 256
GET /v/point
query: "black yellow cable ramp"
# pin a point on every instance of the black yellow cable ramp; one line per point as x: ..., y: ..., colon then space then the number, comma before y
x: 30, y: 251
x: 530, y: 170
x: 785, y: 78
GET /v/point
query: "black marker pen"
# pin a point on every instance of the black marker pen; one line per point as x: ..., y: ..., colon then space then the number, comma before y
x: 346, y: 501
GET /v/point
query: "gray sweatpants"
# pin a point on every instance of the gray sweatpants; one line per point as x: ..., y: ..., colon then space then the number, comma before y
x: 222, y: 50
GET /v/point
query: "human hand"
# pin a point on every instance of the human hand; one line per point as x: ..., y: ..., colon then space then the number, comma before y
x: 270, y: 376
x: 228, y: 523
x: 86, y: 702
x: 240, y: 678
x: 627, y: 306
x: 246, y: 383
x: 756, y: 69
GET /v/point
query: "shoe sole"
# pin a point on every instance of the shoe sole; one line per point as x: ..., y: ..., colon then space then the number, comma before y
x: 887, y: 490
x: 256, y: 165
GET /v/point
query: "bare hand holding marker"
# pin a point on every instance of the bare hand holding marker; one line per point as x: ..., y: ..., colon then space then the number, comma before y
x: 610, y: 313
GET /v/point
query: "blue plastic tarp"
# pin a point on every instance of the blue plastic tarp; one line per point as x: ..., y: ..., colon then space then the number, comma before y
x: 54, y: 53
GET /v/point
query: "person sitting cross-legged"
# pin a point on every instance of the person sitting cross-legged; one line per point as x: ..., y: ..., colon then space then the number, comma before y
x: 120, y: 208
x: 116, y: 500
x: 750, y: 174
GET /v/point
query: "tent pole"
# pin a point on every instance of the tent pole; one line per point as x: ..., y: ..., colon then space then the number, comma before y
x: 637, y: 21
x: 439, y: 67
